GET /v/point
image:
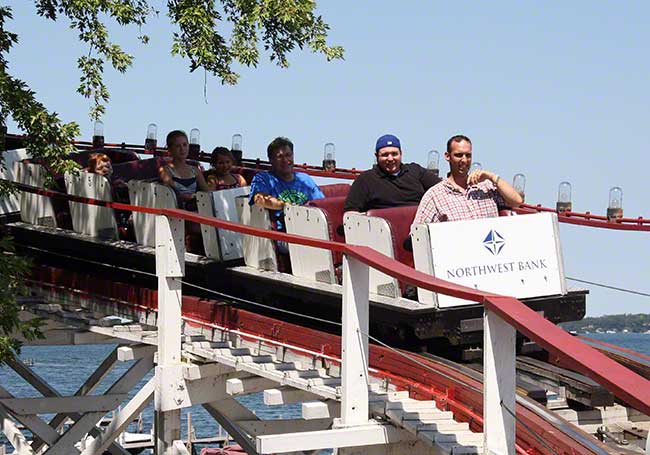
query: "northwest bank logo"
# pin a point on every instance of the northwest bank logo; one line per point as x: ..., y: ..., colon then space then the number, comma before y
x: 494, y: 242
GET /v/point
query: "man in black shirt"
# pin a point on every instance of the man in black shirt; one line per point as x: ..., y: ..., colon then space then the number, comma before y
x: 389, y: 183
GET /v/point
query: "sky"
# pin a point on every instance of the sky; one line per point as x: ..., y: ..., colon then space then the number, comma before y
x: 555, y: 90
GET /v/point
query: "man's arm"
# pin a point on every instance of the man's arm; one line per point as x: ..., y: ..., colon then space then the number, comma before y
x: 428, y: 178
x: 510, y: 196
x: 268, y: 202
x: 357, y: 198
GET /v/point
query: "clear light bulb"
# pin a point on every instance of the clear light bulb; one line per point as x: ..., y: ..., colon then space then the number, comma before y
x: 98, y: 129
x: 98, y: 135
x: 615, y: 207
x: 151, y: 141
x: 195, y: 136
x: 329, y: 157
x: 564, y: 197
x: 152, y: 131
x: 329, y: 151
x: 195, y: 146
x: 433, y: 159
x: 519, y: 184
x: 236, y: 142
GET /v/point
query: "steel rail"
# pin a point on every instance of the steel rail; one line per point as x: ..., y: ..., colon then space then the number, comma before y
x: 627, y: 385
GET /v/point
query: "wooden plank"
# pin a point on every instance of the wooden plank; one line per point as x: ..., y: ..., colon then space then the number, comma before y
x: 67, y: 405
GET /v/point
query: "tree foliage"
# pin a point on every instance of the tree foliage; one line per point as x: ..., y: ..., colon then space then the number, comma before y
x: 212, y: 35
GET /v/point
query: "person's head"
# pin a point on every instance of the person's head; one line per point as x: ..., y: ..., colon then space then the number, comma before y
x: 280, y: 153
x: 388, y: 151
x: 459, y: 155
x: 177, y: 144
x: 222, y: 160
x: 100, y: 163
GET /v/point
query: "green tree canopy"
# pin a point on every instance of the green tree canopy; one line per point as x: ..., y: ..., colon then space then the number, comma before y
x: 209, y: 34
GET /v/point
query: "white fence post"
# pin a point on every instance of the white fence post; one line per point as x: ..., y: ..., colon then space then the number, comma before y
x: 498, y: 385
x: 170, y: 268
x: 354, y: 343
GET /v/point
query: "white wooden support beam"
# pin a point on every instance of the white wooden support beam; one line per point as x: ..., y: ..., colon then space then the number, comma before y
x: 65, y: 444
x: 355, y: 436
x: 193, y: 372
x: 499, y: 387
x: 354, y: 343
x: 287, y: 395
x: 14, y: 435
x: 180, y: 448
x: 126, y: 353
x: 244, y: 386
x: 122, y: 420
x: 66, y: 405
x: 170, y: 268
x: 278, y: 426
x: 34, y: 424
x: 320, y: 409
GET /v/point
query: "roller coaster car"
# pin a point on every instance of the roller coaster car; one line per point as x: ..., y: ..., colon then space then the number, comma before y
x: 513, y: 255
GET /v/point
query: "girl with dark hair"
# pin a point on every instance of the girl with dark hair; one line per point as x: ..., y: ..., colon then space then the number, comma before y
x: 220, y: 177
x: 183, y: 178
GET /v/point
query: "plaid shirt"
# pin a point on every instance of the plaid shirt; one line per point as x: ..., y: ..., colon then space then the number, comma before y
x: 445, y: 202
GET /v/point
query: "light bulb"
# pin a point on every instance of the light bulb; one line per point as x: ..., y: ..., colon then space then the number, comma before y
x: 195, y: 136
x: 98, y: 130
x: 152, y: 131
x: 519, y: 184
x: 615, y: 207
x: 236, y: 142
x: 564, y: 197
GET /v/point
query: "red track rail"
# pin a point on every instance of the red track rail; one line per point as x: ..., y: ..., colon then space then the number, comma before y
x: 422, y: 377
x: 625, y: 384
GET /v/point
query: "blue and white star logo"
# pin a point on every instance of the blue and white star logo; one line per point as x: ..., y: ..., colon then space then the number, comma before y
x: 494, y: 242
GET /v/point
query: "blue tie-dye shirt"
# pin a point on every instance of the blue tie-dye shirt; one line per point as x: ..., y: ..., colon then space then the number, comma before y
x: 298, y: 191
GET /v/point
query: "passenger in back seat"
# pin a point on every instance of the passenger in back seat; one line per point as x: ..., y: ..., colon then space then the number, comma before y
x: 100, y: 163
x: 390, y: 183
x: 465, y: 196
x: 281, y: 186
x: 220, y: 177
x: 183, y: 178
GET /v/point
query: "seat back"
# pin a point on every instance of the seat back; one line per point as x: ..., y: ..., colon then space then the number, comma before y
x: 34, y: 209
x: 221, y: 244
x: 309, y: 262
x: 117, y: 156
x: 92, y: 220
x: 400, y: 219
x: 140, y: 169
x: 373, y: 232
x: 149, y: 194
x: 423, y: 260
x: 11, y: 203
x: 335, y: 190
x: 258, y: 252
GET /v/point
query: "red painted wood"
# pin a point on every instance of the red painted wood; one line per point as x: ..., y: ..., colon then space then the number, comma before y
x: 622, y: 382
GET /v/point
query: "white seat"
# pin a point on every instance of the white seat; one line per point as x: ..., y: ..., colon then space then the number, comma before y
x: 309, y: 262
x: 258, y: 252
x: 8, y: 171
x: 87, y: 219
x: 373, y: 232
x: 148, y: 194
x: 221, y: 244
x: 34, y: 209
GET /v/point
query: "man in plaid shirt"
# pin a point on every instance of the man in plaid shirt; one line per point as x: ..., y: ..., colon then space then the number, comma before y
x: 462, y: 196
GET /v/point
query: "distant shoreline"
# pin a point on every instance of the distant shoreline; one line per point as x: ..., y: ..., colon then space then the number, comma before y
x: 613, y: 323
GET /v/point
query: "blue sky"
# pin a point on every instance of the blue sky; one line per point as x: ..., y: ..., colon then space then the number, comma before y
x: 556, y: 90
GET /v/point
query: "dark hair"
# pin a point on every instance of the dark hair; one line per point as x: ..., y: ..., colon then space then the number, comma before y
x: 277, y: 144
x: 457, y: 138
x: 221, y: 151
x: 173, y: 135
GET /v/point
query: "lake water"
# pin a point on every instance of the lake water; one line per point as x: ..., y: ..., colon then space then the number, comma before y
x: 67, y: 367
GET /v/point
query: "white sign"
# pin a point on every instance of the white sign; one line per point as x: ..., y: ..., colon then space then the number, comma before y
x: 519, y: 256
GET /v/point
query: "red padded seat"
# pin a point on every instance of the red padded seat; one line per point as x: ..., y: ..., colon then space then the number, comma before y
x: 400, y: 220
x: 332, y: 207
x: 117, y: 156
x: 335, y: 190
x: 138, y: 170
